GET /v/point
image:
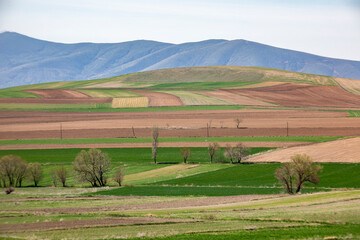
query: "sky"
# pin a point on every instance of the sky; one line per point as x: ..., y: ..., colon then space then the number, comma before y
x: 328, y: 28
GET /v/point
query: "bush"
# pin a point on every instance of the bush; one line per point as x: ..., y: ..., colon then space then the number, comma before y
x: 9, y: 190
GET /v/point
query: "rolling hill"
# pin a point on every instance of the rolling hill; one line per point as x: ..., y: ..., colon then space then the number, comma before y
x: 25, y: 60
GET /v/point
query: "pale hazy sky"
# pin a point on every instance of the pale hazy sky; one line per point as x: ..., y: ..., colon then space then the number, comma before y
x: 325, y: 27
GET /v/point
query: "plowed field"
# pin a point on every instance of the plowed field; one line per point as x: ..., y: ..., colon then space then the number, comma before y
x: 58, y: 93
x: 157, y: 99
x: 346, y: 151
x: 302, y: 95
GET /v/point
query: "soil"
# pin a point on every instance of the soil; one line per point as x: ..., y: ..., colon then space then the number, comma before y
x: 56, y: 100
x: 344, y: 151
x: 158, y: 99
x: 58, y: 93
x: 302, y: 95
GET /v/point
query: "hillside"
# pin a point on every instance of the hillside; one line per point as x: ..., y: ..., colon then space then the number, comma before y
x: 24, y: 60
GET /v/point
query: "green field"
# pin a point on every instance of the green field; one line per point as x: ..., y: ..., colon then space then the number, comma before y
x: 354, y: 113
x: 165, y: 139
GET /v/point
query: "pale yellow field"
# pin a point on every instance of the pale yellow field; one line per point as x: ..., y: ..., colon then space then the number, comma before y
x: 130, y: 102
x: 350, y: 85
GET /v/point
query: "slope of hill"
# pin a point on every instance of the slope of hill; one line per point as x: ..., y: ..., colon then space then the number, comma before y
x: 24, y: 60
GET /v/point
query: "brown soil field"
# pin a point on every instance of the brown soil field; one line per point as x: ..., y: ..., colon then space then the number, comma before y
x: 58, y: 93
x: 87, y: 223
x: 234, y: 98
x: 302, y: 95
x: 345, y: 151
x: 157, y: 99
x: 256, y: 122
x: 56, y: 100
x: 143, y: 145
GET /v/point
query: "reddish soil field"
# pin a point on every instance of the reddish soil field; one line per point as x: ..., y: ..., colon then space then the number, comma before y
x: 157, y: 99
x: 302, y: 95
x: 345, y: 150
x: 56, y: 100
x: 34, y: 125
x: 58, y: 93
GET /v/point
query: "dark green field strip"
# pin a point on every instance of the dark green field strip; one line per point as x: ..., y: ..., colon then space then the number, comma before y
x: 334, y: 175
x: 328, y: 231
x: 179, y: 139
x: 186, y: 191
x: 124, y: 155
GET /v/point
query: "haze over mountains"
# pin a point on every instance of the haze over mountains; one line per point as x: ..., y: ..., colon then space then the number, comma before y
x: 25, y: 60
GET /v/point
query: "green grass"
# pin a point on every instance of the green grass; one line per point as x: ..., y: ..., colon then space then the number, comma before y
x: 17, y: 94
x: 330, y: 231
x: 118, y: 155
x: 179, y: 139
x: 334, y: 175
x: 354, y: 113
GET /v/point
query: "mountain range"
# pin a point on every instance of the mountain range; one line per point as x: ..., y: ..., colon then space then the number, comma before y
x: 25, y: 60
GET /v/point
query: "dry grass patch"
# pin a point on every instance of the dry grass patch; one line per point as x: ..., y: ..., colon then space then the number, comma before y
x: 130, y: 102
x: 193, y: 98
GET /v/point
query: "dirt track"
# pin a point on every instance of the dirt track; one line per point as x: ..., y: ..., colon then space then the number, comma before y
x: 158, y: 99
x: 302, y: 95
x: 345, y: 151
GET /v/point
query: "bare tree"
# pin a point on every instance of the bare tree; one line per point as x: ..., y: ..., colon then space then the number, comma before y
x: 92, y: 166
x: 185, y: 153
x: 54, y: 178
x: 61, y: 175
x: 239, y: 152
x: 119, y: 175
x: 155, y: 142
x: 301, y: 169
x: 35, y: 173
x: 12, y: 170
x: 237, y: 121
x: 212, y: 148
x: 229, y: 152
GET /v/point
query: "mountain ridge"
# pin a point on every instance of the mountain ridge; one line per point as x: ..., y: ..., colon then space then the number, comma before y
x: 25, y: 60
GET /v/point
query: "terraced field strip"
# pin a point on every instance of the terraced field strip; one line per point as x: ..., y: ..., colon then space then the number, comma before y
x: 343, y: 150
x: 350, y: 85
x: 130, y: 102
x: 58, y: 93
x: 46, y: 106
x: 193, y: 98
x: 166, y: 139
x: 234, y: 98
x: 354, y: 113
x: 105, y: 93
x: 160, y: 99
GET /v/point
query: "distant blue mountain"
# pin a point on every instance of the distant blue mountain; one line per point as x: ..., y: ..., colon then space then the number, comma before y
x: 25, y: 60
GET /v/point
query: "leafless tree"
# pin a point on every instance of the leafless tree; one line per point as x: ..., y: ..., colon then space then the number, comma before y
x: 239, y: 152
x: 35, y: 173
x: 185, y: 153
x: 301, y: 169
x: 12, y: 170
x: 119, y: 175
x: 61, y: 175
x: 155, y: 142
x: 229, y: 153
x: 212, y: 148
x: 237, y: 121
x: 92, y: 166
x: 54, y: 178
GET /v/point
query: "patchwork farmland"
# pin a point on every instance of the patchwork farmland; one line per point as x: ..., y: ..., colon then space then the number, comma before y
x: 280, y: 114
